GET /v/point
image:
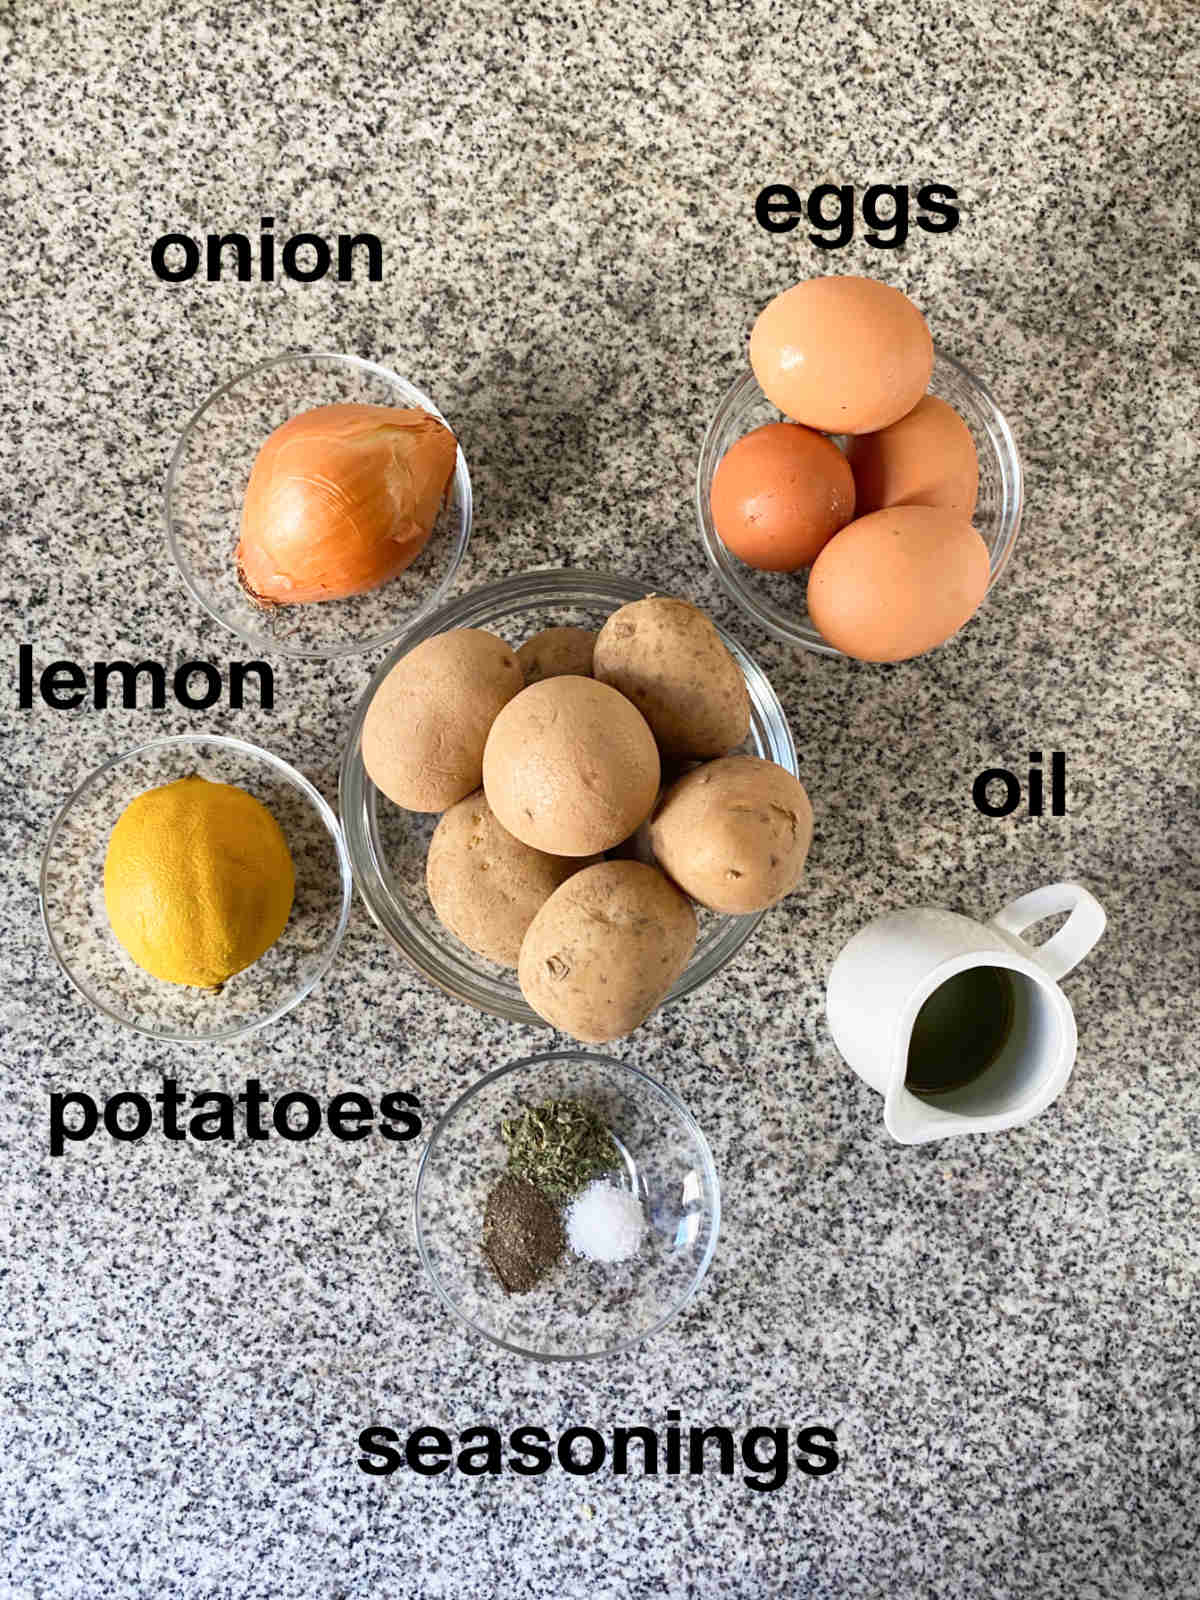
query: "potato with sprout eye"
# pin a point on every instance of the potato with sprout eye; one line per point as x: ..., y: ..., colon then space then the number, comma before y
x: 486, y: 886
x: 605, y: 950
x: 668, y: 659
x: 570, y: 767
x: 428, y: 721
x: 734, y: 834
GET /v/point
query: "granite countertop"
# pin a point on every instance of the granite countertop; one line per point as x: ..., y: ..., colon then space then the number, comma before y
x: 1004, y: 1331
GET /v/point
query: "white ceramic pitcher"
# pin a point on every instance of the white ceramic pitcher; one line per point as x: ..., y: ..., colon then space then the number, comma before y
x: 887, y: 971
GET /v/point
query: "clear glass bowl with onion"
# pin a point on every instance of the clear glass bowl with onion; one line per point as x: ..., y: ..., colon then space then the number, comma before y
x: 388, y: 846
x: 206, y: 486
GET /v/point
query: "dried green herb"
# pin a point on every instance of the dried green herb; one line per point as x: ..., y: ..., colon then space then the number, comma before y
x: 559, y: 1146
x: 522, y: 1234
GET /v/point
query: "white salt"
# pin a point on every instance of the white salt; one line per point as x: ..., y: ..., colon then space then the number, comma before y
x: 605, y: 1223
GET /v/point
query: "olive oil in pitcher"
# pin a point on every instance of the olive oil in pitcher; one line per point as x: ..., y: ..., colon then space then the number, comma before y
x: 960, y: 1031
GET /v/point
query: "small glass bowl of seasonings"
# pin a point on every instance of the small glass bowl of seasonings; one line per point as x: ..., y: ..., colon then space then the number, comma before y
x: 567, y: 1206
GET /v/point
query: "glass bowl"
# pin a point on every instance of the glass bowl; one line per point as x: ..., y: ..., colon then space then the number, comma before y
x: 582, y: 1309
x: 206, y: 484
x: 76, y: 923
x: 388, y: 846
x: 776, y: 599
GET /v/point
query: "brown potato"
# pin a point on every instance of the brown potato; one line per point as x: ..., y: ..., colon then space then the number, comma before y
x: 486, y: 886
x: 734, y: 834
x: 667, y: 658
x: 425, y: 729
x: 605, y: 950
x: 557, y: 653
x: 570, y: 767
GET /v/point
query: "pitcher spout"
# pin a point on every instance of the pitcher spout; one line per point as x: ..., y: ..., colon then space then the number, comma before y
x: 913, y: 1121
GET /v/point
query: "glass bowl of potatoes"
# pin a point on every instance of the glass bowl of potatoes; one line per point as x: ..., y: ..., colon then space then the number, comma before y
x: 389, y: 845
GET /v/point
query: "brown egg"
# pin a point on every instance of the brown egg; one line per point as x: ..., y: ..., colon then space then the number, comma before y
x: 780, y: 494
x: 846, y: 355
x: 926, y: 459
x: 897, y: 583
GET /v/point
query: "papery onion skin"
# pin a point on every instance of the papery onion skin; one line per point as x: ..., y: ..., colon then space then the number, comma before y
x: 341, y: 499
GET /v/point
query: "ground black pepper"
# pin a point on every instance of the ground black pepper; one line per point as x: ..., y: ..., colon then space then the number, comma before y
x: 522, y: 1234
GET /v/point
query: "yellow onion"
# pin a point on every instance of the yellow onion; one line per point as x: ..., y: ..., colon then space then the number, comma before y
x: 340, y: 499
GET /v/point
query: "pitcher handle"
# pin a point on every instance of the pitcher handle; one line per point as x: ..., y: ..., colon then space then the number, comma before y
x: 1074, y: 939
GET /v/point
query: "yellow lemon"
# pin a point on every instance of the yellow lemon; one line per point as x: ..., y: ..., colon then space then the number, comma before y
x: 198, y: 881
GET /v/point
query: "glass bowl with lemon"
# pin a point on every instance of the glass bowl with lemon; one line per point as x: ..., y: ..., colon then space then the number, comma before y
x: 195, y: 888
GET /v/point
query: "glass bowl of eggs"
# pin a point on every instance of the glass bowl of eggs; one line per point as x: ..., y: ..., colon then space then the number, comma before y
x: 780, y: 528
x: 195, y: 888
x: 317, y: 536
x: 567, y: 1207
x: 389, y: 846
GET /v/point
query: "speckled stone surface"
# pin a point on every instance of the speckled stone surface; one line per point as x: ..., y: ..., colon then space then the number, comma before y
x: 1004, y: 1333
